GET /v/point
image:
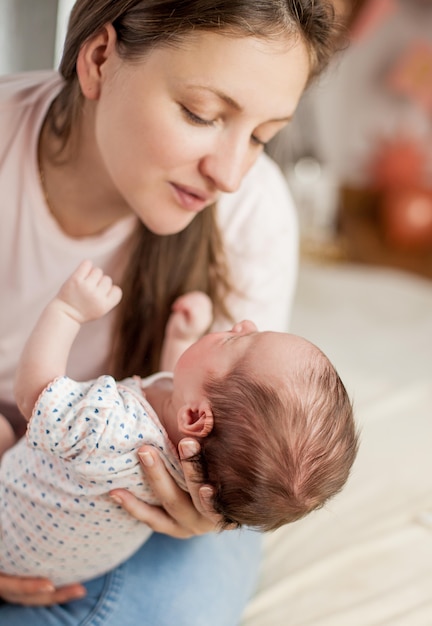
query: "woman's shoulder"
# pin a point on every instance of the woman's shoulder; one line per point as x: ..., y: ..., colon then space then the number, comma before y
x: 27, y: 87
x: 24, y: 101
x: 22, y: 95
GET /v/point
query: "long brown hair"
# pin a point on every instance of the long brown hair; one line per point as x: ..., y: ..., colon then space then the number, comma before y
x: 161, y: 268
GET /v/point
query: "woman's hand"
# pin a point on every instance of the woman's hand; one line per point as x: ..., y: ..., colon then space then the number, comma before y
x: 181, y: 515
x: 37, y: 591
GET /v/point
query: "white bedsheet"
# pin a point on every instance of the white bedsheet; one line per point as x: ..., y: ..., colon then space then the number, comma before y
x: 366, y: 559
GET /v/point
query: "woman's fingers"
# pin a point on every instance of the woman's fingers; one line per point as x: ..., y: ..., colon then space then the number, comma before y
x: 155, y: 517
x: 173, y: 499
x: 201, y: 495
x: 179, y: 515
x: 37, y: 591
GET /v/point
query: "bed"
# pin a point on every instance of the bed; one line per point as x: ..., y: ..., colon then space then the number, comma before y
x: 366, y: 558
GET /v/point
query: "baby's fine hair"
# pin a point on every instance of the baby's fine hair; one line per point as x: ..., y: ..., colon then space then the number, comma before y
x: 274, y: 455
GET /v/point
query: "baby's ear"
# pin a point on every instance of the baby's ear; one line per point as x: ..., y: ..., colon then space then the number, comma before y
x: 196, y: 422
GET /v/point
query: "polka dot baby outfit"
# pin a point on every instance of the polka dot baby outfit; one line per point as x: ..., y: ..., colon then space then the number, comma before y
x: 57, y: 519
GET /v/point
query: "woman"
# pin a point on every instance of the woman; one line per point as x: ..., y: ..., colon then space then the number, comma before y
x: 162, y: 108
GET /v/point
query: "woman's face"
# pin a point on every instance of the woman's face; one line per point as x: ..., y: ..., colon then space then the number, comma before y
x: 184, y: 124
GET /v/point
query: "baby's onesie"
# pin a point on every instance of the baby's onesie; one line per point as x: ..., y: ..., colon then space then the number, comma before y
x: 57, y: 519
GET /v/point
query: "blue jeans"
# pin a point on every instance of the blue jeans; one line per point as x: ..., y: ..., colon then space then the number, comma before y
x: 203, y: 581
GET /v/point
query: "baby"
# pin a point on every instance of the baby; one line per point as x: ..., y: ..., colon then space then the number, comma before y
x: 273, y: 418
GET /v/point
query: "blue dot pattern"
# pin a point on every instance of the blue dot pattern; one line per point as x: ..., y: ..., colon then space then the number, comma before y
x: 57, y: 519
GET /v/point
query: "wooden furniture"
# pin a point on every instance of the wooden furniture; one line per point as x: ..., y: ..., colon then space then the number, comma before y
x: 362, y: 240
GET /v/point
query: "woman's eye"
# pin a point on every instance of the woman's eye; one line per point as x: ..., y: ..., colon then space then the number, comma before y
x: 195, y: 119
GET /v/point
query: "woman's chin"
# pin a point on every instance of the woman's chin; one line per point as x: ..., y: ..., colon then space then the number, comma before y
x: 170, y: 226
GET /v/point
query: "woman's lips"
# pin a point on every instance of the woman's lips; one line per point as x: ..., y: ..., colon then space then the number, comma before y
x: 190, y: 198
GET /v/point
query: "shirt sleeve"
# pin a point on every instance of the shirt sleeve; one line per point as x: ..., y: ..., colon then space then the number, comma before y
x: 260, y: 231
x: 71, y: 419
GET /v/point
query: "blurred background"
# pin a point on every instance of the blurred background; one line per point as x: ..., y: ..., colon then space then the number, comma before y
x: 358, y: 155
x: 32, y: 33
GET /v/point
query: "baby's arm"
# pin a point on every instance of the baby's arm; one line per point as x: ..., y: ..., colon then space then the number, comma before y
x: 191, y: 317
x: 7, y: 435
x: 87, y: 295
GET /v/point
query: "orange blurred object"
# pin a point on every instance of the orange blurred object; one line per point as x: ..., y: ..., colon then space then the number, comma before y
x: 406, y: 218
x: 412, y: 74
x: 398, y: 163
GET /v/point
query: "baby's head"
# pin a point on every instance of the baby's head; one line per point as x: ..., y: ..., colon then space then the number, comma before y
x: 277, y: 427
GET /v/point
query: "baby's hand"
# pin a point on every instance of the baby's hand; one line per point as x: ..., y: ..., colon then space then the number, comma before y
x: 89, y: 293
x: 191, y: 316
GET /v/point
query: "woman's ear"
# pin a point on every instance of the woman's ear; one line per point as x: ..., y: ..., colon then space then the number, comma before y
x: 92, y: 56
x: 196, y: 422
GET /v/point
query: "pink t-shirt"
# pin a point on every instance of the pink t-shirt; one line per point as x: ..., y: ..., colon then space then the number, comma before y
x: 35, y: 255
x: 56, y: 518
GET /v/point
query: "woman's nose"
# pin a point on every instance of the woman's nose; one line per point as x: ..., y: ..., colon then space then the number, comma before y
x: 244, y: 327
x: 227, y: 165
